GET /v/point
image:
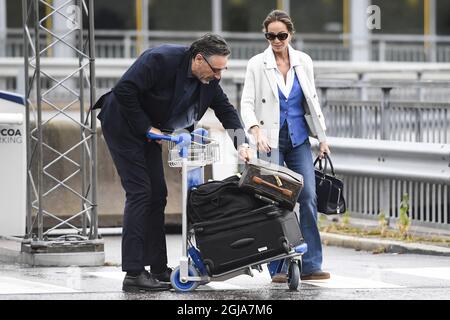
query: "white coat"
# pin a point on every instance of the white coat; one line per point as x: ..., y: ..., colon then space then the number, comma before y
x: 260, y: 103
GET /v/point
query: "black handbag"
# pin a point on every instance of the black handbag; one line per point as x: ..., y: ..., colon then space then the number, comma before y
x: 329, y: 189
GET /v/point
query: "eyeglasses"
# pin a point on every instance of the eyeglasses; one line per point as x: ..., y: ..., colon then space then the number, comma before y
x: 215, y: 70
x: 281, y: 36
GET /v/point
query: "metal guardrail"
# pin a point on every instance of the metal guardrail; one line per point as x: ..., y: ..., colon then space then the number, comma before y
x: 108, y: 71
x: 124, y: 44
x: 401, y: 121
x: 388, y: 119
x: 353, y: 117
x: 352, y: 108
x: 426, y: 162
x: 377, y: 174
x: 386, y: 148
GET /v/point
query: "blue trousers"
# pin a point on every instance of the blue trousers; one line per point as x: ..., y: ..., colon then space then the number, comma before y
x: 299, y: 159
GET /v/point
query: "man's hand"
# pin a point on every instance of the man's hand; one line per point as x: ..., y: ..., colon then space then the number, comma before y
x: 155, y: 131
x: 244, y: 152
x: 262, y: 143
x: 323, y: 148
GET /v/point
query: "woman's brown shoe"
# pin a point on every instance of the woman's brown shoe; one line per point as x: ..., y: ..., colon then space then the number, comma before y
x: 279, y: 278
x: 317, y: 275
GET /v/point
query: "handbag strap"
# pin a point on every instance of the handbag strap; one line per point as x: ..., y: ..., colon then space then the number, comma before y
x: 324, y: 169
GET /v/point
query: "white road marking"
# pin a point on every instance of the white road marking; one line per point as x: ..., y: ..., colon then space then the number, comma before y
x: 221, y: 285
x: 341, y: 282
x: 9, y: 285
x: 214, y: 285
x: 244, y: 282
x: 431, y: 272
x: 115, y: 275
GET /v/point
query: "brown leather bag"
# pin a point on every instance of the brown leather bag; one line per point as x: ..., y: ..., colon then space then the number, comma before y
x: 272, y: 183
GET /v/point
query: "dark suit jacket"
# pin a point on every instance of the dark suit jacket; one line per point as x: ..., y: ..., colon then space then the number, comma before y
x: 154, y: 84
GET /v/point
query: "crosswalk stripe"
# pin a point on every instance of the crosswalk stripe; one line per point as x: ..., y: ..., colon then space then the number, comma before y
x: 214, y: 285
x: 115, y: 275
x: 430, y: 272
x: 244, y: 282
x: 341, y: 282
x: 221, y: 285
x: 10, y: 285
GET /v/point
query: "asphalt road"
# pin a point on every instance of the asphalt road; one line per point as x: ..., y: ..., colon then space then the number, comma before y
x: 355, y: 275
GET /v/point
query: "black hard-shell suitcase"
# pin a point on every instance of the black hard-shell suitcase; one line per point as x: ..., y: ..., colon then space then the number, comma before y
x: 275, y: 182
x: 246, y: 239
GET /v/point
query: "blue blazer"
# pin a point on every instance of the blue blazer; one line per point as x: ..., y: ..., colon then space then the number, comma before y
x: 148, y: 91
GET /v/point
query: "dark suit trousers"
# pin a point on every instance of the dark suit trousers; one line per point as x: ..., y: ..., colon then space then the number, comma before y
x: 140, y: 167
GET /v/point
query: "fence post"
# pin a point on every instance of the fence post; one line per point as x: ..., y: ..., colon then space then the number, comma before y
x: 385, y: 135
x: 323, y: 97
x: 385, y: 114
x: 324, y: 101
x: 127, y: 46
x: 238, y: 94
x: 382, y: 51
x: 420, y: 91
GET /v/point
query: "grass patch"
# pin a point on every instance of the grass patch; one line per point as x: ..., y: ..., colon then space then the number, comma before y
x: 383, y: 232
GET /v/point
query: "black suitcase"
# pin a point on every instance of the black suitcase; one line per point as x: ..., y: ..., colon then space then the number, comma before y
x: 272, y: 181
x: 219, y: 199
x: 246, y: 239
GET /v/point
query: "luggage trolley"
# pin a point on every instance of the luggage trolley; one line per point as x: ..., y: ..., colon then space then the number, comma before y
x: 192, y: 152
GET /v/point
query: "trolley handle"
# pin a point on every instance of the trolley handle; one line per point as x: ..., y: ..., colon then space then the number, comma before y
x: 199, y: 135
x: 183, y: 139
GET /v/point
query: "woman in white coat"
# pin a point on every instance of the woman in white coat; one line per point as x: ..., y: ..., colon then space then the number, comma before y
x: 280, y: 109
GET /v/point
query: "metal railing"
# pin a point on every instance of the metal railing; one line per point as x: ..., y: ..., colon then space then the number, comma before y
x: 337, y: 47
x: 386, y: 148
x: 388, y: 119
x: 108, y: 71
x: 377, y: 174
x: 373, y: 110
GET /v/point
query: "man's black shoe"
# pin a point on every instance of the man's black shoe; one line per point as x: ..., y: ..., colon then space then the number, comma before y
x: 143, y: 282
x: 163, y: 276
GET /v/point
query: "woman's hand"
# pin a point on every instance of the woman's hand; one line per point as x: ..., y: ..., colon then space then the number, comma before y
x: 323, y: 148
x: 245, y: 153
x: 262, y: 143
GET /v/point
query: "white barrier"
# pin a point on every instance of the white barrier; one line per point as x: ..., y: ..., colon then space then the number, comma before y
x: 11, y: 118
x: 12, y: 165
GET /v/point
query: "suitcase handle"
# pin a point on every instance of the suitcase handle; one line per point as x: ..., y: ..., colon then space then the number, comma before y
x: 284, y: 191
x: 266, y: 200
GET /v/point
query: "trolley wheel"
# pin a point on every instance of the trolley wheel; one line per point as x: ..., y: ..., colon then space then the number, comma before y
x: 180, y: 286
x: 293, y: 275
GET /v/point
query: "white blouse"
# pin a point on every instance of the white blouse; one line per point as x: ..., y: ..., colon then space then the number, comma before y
x: 285, y: 87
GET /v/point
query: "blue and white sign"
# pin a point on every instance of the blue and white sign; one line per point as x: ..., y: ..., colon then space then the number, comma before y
x: 13, y: 164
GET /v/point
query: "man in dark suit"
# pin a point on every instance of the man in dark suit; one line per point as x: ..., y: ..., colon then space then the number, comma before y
x: 167, y: 88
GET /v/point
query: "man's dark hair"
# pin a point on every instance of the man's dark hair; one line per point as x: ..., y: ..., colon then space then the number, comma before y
x: 210, y: 45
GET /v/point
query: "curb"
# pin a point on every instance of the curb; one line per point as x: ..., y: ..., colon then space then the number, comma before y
x: 381, y: 245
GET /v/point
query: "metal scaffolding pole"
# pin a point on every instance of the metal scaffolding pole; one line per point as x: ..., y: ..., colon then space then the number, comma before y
x: 216, y: 16
x: 3, y: 27
x: 62, y: 223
